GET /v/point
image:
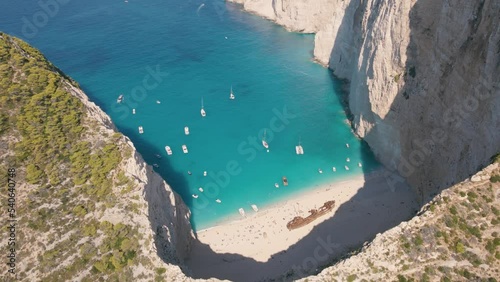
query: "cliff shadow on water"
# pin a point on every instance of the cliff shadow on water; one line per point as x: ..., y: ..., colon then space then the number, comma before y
x: 169, y: 220
x: 354, y: 223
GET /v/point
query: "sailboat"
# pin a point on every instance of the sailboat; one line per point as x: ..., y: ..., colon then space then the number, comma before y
x: 202, y: 111
x: 120, y: 99
x: 231, y: 95
x: 264, y: 143
x: 298, y: 149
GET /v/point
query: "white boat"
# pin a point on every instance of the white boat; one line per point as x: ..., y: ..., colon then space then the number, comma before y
x: 242, y: 211
x: 276, y: 185
x: 200, y: 189
x: 319, y: 170
x: 205, y: 173
x: 346, y: 167
x: 185, y: 149
x: 264, y: 143
x: 158, y: 102
x: 195, y: 196
x: 218, y: 201
x: 186, y: 130
x: 158, y: 156
x: 202, y: 111
x: 334, y: 169
x: 254, y: 207
x: 133, y: 111
x: 347, y: 160
x: 347, y: 145
x: 298, y: 149
x: 141, y: 130
x: 360, y: 165
x: 156, y: 165
x: 169, y: 151
x: 120, y: 99
x: 231, y: 94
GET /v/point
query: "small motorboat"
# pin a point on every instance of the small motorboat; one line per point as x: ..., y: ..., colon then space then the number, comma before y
x: 241, y: 211
x: 347, y: 145
x: 141, y: 130
x: 184, y: 149
x: 346, y: 167
x: 231, y: 94
x: 158, y: 102
x: 205, y: 173
x: 195, y: 196
x: 120, y: 99
x: 133, y: 111
x: 347, y: 160
x: 202, y: 111
x: 158, y: 156
x: 169, y: 151
x: 298, y: 149
x: 285, y: 181
x: 156, y: 165
x: 334, y: 169
x: 360, y: 165
x: 319, y: 170
x: 186, y: 130
x: 189, y: 172
x: 200, y: 189
x: 264, y: 143
x: 276, y: 185
x: 218, y: 201
x: 254, y: 207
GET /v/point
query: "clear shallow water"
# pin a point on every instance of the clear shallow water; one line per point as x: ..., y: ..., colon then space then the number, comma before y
x: 176, y: 52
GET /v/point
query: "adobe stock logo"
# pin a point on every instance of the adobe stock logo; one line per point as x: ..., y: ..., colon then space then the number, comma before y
x: 39, y: 19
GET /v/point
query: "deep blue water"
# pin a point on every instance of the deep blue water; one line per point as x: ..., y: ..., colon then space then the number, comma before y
x: 178, y: 52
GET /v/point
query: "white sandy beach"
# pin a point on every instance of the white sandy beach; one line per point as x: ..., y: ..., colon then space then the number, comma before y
x: 261, y: 245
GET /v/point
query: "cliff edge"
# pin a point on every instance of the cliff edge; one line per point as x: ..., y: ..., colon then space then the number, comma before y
x: 424, y: 88
x: 84, y: 202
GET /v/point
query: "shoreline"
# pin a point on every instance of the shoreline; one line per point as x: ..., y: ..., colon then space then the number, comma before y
x: 364, y: 206
x: 235, y: 218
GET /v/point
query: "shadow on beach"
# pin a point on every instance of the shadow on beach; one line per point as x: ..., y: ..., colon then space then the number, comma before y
x: 369, y: 212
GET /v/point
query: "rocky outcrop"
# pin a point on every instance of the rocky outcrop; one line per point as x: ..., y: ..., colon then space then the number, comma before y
x: 453, y: 238
x: 165, y: 217
x: 87, y: 203
x: 424, y: 89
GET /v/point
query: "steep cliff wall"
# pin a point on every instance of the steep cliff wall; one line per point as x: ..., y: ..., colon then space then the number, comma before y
x: 424, y: 84
x: 165, y: 217
x: 453, y: 238
x: 86, y: 205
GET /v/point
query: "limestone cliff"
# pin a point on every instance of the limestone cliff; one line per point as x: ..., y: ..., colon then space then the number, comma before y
x: 86, y: 205
x: 424, y: 86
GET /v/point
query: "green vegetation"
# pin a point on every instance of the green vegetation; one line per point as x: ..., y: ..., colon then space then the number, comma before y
x: 351, y: 277
x: 71, y: 169
x: 412, y: 71
x: 396, y: 77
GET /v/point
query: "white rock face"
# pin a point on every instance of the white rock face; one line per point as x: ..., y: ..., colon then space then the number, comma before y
x: 424, y: 84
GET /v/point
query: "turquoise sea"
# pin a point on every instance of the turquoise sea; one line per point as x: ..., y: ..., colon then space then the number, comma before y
x: 179, y: 52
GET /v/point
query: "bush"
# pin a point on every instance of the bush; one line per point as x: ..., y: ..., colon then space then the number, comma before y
x: 495, y: 178
x: 351, y: 277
